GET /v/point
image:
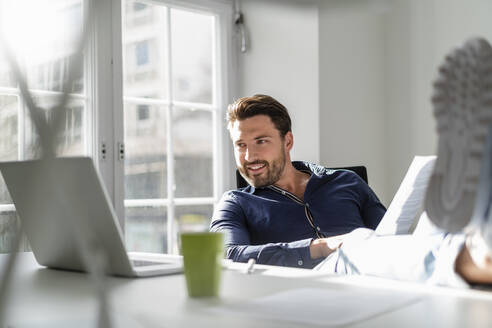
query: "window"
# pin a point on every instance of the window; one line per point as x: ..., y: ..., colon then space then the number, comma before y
x: 170, y: 162
x: 44, y: 54
x: 152, y: 119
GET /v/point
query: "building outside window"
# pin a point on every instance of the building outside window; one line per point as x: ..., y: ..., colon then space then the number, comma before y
x: 142, y: 53
x: 137, y: 6
x: 143, y: 112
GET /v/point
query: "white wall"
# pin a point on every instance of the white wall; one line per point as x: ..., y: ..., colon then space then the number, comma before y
x: 283, y: 62
x: 357, y: 75
x: 437, y: 28
x: 394, y: 47
x: 419, y: 33
x: 399, y: 93
x: 352, y: 98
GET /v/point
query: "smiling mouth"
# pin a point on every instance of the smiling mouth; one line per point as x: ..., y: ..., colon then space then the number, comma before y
x: 256, y: 168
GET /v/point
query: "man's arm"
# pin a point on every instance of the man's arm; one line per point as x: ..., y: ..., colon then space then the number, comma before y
x: 230, y: 219
x: 372, y: 210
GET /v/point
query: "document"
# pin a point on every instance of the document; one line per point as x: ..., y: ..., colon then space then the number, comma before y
x: 407, y: 205
x: 325, y: 307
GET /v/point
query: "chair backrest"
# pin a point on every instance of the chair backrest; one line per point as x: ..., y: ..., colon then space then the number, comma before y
x: 361, y: 171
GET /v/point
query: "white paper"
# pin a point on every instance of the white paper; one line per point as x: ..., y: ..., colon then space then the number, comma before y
x: 407, y: 204
x: 321, y: 306
x: 425, y: 226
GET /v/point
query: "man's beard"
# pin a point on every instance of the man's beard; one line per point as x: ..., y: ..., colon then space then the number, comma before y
x: 273, y: 171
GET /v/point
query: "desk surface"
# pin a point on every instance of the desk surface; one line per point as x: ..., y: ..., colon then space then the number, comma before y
x: 40, y: 295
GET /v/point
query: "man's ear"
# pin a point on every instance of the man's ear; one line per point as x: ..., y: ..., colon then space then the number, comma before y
x: 289, y: 141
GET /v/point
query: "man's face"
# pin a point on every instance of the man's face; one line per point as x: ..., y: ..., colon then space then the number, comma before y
x: 259, y: 150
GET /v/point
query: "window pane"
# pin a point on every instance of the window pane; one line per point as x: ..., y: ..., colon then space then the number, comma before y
x: 144, y: 55
x: 52, y: 74
x: 191, y: 218
x: 8, y: 138
x: 6, y: 76
x: 43, y: 39
x: 193, y: 153
x: 146, y: 152
x: 194, y: 218
x: 146, y: 229
x: 8, y: 127
x: 192, y: 38
x: 4, y: 193
x: 8, y: 229
x: 70, y: 138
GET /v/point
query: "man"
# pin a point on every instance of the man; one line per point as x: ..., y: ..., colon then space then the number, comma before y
x: 298, y: 214
x: 283, y: 217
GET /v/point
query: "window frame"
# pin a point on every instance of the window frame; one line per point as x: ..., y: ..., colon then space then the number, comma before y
x: 109, y: 125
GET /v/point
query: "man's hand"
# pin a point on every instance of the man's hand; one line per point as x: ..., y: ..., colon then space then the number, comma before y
x: 325, y: 246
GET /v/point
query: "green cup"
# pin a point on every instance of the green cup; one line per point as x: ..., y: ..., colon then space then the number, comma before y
x: 202, y: 255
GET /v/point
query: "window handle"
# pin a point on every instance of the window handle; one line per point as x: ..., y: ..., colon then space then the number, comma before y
x: 103, y: 152
x: 121, y: 151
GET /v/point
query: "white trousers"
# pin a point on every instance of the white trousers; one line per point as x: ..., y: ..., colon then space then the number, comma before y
x: 420, y: 258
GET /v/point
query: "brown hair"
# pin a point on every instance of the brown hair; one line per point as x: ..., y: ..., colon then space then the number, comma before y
x: 247, y: 107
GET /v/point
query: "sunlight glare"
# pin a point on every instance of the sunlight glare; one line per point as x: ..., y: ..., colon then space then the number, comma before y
x: 37, y: 30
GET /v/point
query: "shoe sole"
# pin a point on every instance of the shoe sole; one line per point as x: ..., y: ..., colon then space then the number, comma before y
x: 462, y: 104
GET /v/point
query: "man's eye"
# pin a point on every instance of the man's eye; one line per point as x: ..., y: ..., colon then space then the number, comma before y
x: 261, y: 141
x: 240, y: 145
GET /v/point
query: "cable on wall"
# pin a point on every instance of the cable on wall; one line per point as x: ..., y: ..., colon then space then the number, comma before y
x: 240, y: 27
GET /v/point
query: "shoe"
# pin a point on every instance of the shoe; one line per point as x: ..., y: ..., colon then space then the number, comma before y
x: 462, y: 104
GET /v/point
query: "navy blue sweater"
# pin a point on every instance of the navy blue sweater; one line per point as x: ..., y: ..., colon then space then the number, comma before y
x: 275, y: 227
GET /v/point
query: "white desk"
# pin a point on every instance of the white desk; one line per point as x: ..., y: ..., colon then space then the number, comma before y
x: 39, y: 294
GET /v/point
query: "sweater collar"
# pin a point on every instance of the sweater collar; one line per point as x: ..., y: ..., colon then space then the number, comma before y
x: 316, y: 172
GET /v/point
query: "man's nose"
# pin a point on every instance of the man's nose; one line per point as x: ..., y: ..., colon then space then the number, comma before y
x: 250, y: 154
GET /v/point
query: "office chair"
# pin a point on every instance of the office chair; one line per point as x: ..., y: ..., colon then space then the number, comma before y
x: 361, y: 171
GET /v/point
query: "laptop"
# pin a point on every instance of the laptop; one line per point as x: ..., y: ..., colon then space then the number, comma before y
x: 62, y: 204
